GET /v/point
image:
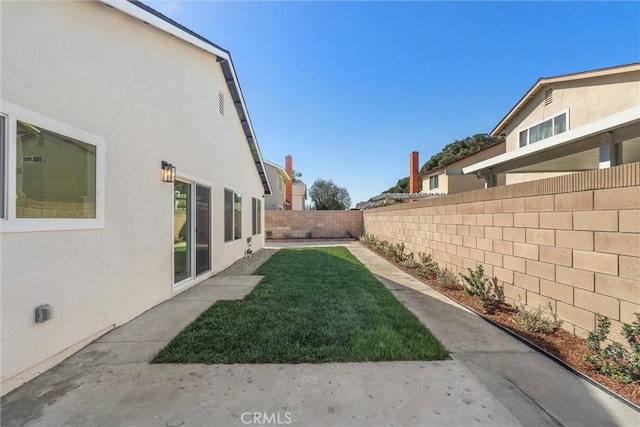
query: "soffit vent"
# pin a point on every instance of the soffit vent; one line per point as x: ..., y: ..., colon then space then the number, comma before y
x: 548, y: 96
x: 221, y: 103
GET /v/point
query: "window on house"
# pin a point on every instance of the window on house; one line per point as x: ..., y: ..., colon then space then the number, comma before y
x: 232, y: 215
x: 55, y: 175
x: 543, y: 130
x: 257, y: 216
x: 433, y: 182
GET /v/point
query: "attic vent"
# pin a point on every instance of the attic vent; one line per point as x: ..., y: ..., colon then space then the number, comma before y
x: 548, y: 96
x: 221, y: 103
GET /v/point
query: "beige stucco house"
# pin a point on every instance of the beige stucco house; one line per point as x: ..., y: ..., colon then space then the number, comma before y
x: 276, y: 201
x: 569, y: 123
x: 449, y: 179
x: 96, y: 98
x: 299, y: 197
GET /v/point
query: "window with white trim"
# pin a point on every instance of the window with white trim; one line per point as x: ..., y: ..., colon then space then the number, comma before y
x: 433, y: 182
x: 543, y: 130
x: 232, y: 215
x: 256, y: 217
x: 63, y: 186
x: 51, y: 174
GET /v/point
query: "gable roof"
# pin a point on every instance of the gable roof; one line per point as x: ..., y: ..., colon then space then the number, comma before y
x: 152, y: 17
x: 279, y: 169
x: 546, y: 81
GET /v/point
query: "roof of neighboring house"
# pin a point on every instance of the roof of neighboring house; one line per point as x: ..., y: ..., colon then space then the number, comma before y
x: 460, y: 160
x: 278, y: 168
x: 546, y: 81
x: 156, y: 19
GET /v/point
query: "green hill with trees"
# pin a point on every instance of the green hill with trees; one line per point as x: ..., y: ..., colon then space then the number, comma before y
x: 449, y: 154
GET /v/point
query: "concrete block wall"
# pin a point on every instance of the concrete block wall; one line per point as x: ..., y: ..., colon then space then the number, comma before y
x: 322, y: 224
x: 29, y: 208
x: 571, y: 241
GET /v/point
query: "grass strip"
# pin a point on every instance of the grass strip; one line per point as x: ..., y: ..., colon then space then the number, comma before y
x: 313, y: 305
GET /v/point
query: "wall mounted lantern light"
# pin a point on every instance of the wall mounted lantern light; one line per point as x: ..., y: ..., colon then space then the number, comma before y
x: 168, y: 172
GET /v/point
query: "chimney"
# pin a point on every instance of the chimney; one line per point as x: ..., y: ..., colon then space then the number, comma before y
x: 288, y: 189
x: 414, y: 178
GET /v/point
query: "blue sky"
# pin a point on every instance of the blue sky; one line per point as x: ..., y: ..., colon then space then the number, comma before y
x: 349, y: 89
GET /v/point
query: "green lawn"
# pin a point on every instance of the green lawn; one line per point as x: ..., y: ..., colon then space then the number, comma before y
x: 314, y: 305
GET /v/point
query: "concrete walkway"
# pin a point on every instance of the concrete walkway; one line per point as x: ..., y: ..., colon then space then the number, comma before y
x: 492, y: 378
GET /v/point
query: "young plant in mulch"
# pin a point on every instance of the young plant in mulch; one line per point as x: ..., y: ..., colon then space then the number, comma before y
x: 537, y: 319
x: 410, y: 261
x: 448, y: 279
x: 427, y: 267
x: 476, y: 284
x: 615, y: 360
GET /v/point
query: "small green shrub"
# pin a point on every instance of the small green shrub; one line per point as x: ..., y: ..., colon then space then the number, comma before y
x: 397, y: 252
x: 427, y: 266
x: 269, y: 234
x: 477, y: 285
x: 615, y: 360
x: 410, y: 261
x: 347, y: 234
x: 309, y: 235
x: 448, y: 279
x: 369, y: 240
x: 537, y: 320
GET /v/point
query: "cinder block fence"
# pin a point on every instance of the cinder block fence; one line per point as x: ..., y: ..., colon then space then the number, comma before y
x: 321, y: 224
x: 571, y: 241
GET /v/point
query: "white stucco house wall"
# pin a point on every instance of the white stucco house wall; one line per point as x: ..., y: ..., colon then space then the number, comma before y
x: 94, y: 96
x: 566, y: 124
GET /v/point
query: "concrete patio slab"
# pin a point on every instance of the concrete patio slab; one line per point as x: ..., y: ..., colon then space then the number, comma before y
x: 115, y: 353
x: 346, y: 394
x: 161, y: 323
x: 224, y: 281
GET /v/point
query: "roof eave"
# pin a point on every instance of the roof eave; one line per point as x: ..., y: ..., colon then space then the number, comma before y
x: 623, y: 118
x: 150, y: 16
x: 545, y: 81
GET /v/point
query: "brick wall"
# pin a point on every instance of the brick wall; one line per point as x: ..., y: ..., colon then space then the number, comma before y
x: 572, y: 241
x: 326, y: 224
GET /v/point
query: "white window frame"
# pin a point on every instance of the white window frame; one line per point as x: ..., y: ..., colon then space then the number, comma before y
x: 10, y: 223
x: 532, y: 125
x: 256, y: 224
x: 224, y: 219
x: 433, y: 178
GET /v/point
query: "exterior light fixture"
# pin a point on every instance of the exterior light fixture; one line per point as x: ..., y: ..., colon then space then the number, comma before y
x: 168, y: 172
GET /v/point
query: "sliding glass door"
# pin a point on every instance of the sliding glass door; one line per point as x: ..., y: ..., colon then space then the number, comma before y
x: 182, y: 231
x: 192, y: 230
x: 203, y: 229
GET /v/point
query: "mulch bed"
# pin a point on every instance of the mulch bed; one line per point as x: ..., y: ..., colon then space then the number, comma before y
x: 562, y: 344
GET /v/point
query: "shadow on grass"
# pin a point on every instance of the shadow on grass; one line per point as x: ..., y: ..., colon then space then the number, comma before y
x: 314, y: 305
